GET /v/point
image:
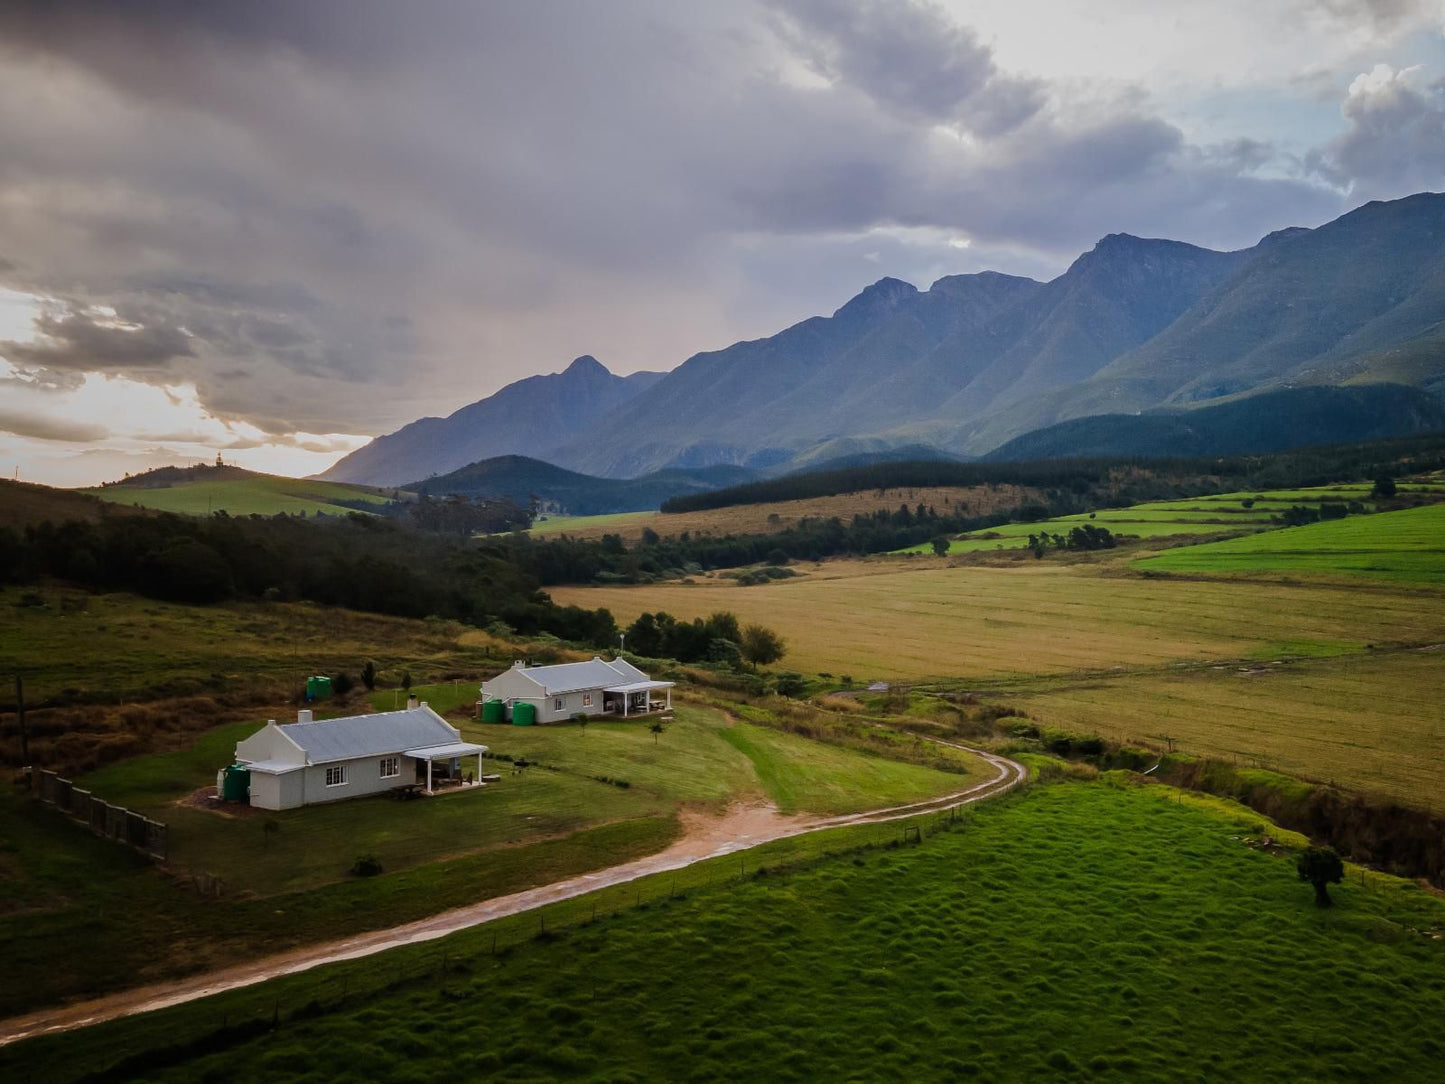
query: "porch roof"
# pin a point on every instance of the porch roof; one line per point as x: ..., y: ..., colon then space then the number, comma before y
x: 639, y: 687
x: 446, y: 752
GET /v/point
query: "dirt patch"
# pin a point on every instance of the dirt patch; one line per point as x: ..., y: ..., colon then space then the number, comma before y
x: 205, y: 799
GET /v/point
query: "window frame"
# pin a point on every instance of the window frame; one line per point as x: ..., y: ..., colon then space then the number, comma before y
x: 558, y: 703
x: 340, y: 770
x: 394, y: 763
x: 586, y: 700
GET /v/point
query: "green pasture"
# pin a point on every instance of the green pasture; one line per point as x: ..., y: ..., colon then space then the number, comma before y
x: 266, y: 495
x: 1078, y: 930
x: 1405, y: 545
x: 562, y: 524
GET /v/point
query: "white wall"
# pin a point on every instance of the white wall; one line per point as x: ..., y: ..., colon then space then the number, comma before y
x: 363, y: 776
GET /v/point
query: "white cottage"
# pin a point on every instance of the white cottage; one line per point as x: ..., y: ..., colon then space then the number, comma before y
x: 579, y: 688
x: 324, y: 760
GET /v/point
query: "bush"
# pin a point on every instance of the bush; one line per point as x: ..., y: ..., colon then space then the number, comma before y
x: 791, y: 685
x: 342, y: 683
x: 368, y: 865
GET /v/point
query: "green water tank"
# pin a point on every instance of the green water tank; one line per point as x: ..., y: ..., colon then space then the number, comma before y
x: 523, y: 713
x: 318, y: 688
x: 236, y: 786
x: 494, y: 711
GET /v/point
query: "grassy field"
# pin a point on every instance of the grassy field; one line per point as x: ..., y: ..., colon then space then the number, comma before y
x: 1209, y: 515
x: 1370, y: 722
x: 1076, y: 930
x: 123, y: 647
x: 899, y: 619
x: 1405, y: 545
x: 780, y: 515
x: 259, y: 495
x: 68, y: 897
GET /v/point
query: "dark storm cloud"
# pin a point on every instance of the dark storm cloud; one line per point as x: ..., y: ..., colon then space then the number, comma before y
x: 350, y: 214
x: 86, y: 342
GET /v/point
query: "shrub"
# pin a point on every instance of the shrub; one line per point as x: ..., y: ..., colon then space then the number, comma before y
x: 367, y: 865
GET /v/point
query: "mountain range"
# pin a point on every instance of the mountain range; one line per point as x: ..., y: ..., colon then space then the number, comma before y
x: 1133, y: 327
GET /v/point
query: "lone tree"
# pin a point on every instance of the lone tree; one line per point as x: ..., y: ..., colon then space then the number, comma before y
x: 761, y: 645
x: 406, y: 680
x: 581, y: 720
x: 368, y: 675
x: 1384, y: 487
x: 656, y: 729
x: 940, y: 546
x: 1321, y: 867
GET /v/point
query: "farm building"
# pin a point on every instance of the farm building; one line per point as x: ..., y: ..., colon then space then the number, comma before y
x: 324, y: 760
x: 555, y: 693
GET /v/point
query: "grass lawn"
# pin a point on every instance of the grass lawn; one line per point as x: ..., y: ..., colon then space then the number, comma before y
x: 1406, y: 545
x: 1074, y: 930
x: 265, y: 495
x: 908, y: 620
x: 803, y: 776
x: 591, y: 525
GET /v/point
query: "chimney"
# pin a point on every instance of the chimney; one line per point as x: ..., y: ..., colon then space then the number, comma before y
x: 411, y: 702
x: 304, y: 715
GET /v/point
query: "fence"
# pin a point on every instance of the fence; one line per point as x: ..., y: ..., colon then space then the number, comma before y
x: 112, y: 821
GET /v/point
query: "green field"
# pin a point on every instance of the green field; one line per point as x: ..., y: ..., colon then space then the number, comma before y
x: 260, y: 495
x: 69, y: 898
x: 563, y: 524
x: 1209, y: 515
x: 1405, y: 545
x: 1077, y: 930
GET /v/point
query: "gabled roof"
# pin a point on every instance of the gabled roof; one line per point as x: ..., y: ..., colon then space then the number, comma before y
x: 325, y: 740
x: 571, y: 677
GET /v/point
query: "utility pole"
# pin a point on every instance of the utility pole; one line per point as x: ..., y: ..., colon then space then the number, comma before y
x: 20, y: 714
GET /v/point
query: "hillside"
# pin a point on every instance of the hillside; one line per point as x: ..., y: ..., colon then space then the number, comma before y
x: 520, y: 478
x: 1268, y: 422
x: 530, y: 416
x: 201, y: 490
x: 25, y: 504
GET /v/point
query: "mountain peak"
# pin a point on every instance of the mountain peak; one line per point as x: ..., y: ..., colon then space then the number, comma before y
x: 874, y: 300
x: 586, y: 365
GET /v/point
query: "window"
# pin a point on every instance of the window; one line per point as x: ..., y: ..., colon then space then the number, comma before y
x: 390, y: 767
x: 586, y: 700
x: 336, y: 776
x: 556, y: 703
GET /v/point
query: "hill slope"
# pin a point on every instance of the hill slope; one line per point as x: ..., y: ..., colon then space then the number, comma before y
x: 530, y: 416
x: 202, y: 490
x: 521, y: 478
x: 1268, y: 422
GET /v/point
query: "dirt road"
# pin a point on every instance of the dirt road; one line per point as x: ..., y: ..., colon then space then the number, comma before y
x: 741, y: 828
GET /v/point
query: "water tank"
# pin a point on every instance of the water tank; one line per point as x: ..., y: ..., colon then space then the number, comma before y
x: 494, y: 711
x: 318, y: 688
x: 523, y: 713
x: 236, y: 787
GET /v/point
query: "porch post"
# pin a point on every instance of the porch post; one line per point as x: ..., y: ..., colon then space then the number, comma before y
x: 669, y: 699
x: 479, y: 769
x: 625, y: 699
x: 428, y: 775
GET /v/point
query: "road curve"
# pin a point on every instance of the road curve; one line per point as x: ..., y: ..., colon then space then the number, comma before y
x: 143, y: 999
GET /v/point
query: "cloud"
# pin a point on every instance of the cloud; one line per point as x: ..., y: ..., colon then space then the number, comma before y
x: 1395, y: 142
x: 39, y: 427
x: 338, y: 216
x: 911, y: 59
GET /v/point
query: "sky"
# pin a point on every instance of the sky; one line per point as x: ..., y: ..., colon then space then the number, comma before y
x: 274, y: 229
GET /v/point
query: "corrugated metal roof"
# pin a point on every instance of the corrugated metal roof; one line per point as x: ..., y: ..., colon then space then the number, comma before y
x: 353, y: 736
x: 570, y: 677
x: 444, y: 752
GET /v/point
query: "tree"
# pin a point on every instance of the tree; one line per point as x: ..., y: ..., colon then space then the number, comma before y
x: 581, y: 720
x: 406, y: 680
x: 368, y: 675
x: 341, y: 683
x: 656, y: 729
x: 1384, y: 487
x: 761, y: 645
x: 1321, y: 867
x: 940, y: 546
x: 792, y: 685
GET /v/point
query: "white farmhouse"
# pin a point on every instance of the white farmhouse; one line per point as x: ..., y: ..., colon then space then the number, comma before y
x: 324, y: 760
x: 578, y: 688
